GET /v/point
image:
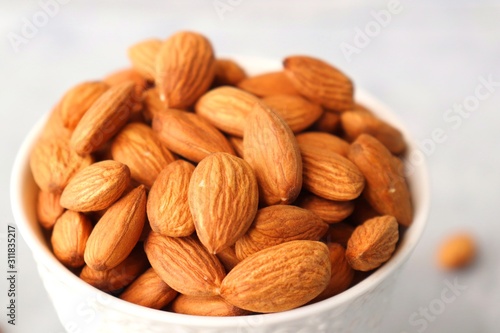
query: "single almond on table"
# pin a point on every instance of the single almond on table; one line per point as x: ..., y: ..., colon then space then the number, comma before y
x: 214, y: 306
x: 268, y: 84
x: 278, y: 224
x: 184, y: 264
x: 372, y: 243
x: 328, y: 210
x: 269, y: 142
x: 142, y: 55
x: 69, y: 238
x: 324, y: 141
x: 168, y: 207
x: 149, y: 290
x: 185, y: 69
x: 339, y: 233
x: 117, y: 232
x: 189, y: 135
x: 228, y: 73
x: 223, y: 199
x: 96, y: 187
x: 279, y: 278
x: 457, y: 251
x: 329, y: 122
x: 48, y: 208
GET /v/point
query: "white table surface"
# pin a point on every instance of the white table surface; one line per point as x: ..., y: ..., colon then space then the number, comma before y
x: 426, y: 59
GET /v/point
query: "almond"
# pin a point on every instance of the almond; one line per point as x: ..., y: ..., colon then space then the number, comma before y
x: 185, y: 69
x: 53, y: 163
x: 152, y: 104
x: 320, y: 82
x: 372, y: 243
x: 54, y: 127
x: 142, y: 55
x: 330, y: 175
x: 296, y: 111
x: 149, y: 290
x: 214, y: 306
x: 78, y: 100
x: 457, y: 251
x: 328, y: 210
x: 129, y: 75
x: 362, y: 212
x: 138, y: 147
x: 184, y: 264
x: 339, y: 233
x: 223, y: 199
x: 237, y: 144
x: 228, y: 258
x: 329, y: 122
x: 268, y: 84
x: 69, y: 238
x: 226, y: 108
x: 48, y: 208
x: 168, y: 208
x: 117, y: 232
x: 278, y: 224
x: 189, y: 135
x: 281, y: 277
x: 324, y: 141
x: 228, y: 72
x: 96, y: 187
x: 104, y: 118
x: 267, y: 143
x: 386, y: 189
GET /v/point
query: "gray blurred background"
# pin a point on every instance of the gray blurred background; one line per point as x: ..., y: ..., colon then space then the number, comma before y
x: 425, y: 59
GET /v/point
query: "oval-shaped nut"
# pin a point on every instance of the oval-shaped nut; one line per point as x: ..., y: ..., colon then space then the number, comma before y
x: 330, y: 175
x: 69, y: 238
x: 223, y: 199
x: 53, y: 163
x: 120, y: 276
x: 278, y: 224
x: 328, y: 210
x: 117, y: 232
x: 189, y: 135
x: 129, y: 75
x: 237, y: 144
x: 372, y: 243
x: 457, y: 251
x: 362, y: 212
x: 96, y: 187
x: 138, y: 147
x: 78, y: 100
x: 281, y: 277
x: 295, y: 110
x: 184, y: 264
x: 342, y: 273
x: 228, y: 73
x: 329, y: 122
x: 214, y: 306
x: 339, y: 233
x: 269, y: 142
x: 324, y: 141
x: 104, y: 118
x: 268, y: 84
x: 226, y: 108
x: 228, y: 258
x: 48, y: 208
x: 142, y: 55
x: 152, y: 104
x: 149, y: 290
x: 185, y: 69
x: 355, y: 123
x: 386, y: 189
x: 320, y: 82
x: 54, y: 127
x: 168, y: 207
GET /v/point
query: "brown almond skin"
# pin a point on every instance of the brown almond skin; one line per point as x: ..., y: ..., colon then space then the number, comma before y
x: 104, y: 118
x: 268, y: 142
x: 386, y: 189
x: 117, y: 232
x: 237, y: 144
x: 228, y: 73
x: 96, y: 187
x: 184, y: 264
x: 78, y: 100
x: 329, y: 122
x: 53, y: 163
x: 185, y: 69
x: 214, y: 306
x: 330, y: 175
x: 328, y: 210
x: 372, y: 243
x: 152, y: 104
x: 189, y: 135
x: 142, y: 55
x: 69, y: 238
x: 120, y: 276
x: 339, y: 233
x: 149, y: 290
x: 168, y: 207
x: 228, y: 258
x: 324, y: 141
x: 223, y: 199
x: 226, y: 108
x: 268, y: 84
x: 295, y: 110
x: 278, y: 224
x: 457, y: 251
x: 281, y: 277
x: 48, y: 208
x: 320, y: 82
x: 138, y: 147
x: 54, y: 127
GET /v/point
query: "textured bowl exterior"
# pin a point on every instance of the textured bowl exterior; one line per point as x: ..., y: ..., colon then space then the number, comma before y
x: 82, y: 308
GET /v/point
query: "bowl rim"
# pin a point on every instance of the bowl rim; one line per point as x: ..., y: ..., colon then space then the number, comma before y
x: 419, y: 180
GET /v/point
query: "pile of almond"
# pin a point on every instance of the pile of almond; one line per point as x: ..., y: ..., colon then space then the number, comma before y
x: 182, y: 184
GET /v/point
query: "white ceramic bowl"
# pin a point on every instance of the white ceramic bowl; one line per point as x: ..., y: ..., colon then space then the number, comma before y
x: 82, y: 308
